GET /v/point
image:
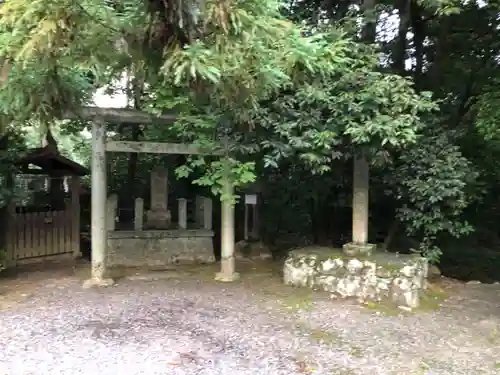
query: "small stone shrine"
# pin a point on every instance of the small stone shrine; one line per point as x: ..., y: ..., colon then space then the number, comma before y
x: 159, y: 217
x: 156, y: 241
x: 371, y: 276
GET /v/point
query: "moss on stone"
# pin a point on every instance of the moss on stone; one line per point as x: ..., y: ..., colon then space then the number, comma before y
x: 389, y: 267
x: 381, y: 259
x: 430, y: 300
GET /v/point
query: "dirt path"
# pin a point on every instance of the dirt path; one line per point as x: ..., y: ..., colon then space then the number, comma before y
x: 182, y: 322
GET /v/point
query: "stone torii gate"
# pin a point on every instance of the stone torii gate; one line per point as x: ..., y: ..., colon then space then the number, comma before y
x: 99, y: 117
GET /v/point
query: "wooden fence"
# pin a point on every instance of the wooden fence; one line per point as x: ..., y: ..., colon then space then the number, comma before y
x: 35, y: 236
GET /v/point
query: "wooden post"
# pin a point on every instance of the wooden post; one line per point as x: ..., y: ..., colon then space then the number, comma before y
x: 139, y: 214
x: 75, y: 216
x: 11, y: 227
x: 11, y: 236
x: 245, y: 229
x: 227, y: 272
x: 99, y: 235
x: 255, y: 233
x: 182, y: 213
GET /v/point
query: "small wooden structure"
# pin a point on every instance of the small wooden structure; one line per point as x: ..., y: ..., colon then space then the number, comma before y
x: 37, y: 230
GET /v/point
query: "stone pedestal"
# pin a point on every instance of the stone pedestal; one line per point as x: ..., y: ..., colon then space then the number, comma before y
x: 111, y: 206
x: 355, y: 249
x: 97, y: 283
x: 139, y: 214
x: 182, y: 211
x: 207, y: 213
x: 396, y: 277
x: 227, y: 278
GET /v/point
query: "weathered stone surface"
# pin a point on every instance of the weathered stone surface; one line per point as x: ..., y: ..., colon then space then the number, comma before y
x: 227, y: 277
x: 96, y: 282
x: 159, y: 248
x: 251, y: 250
x: 434, y: 272
x: 354, y: 249
x: 158, y: 219
x: 400, y: 278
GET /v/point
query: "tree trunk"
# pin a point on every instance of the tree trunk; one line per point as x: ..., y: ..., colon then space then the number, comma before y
x: 418, y: 27
x: 369, y: 31
x: 399, y: 55
x: 393, y: 229
x: 136, y: 132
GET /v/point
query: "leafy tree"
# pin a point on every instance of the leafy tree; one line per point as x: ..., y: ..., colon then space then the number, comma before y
x: 249, y: 80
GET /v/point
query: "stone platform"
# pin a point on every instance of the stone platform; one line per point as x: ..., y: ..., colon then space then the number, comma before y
x: 157, y: 248
x: 381, y: 275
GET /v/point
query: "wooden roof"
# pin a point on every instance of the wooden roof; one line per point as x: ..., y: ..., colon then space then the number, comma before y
x: 51, y: 163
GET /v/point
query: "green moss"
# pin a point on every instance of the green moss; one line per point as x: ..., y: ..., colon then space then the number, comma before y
x: 329, y: 337
x: 296, y: 301
x: 390, y: 267
x: 386, y: 308
x: 324, y: 336
x: 356, y: 352
x: 430, y: 300
x: 493, y: 337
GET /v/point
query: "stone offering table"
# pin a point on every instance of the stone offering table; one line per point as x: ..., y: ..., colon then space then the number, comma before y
x: 381, y: 275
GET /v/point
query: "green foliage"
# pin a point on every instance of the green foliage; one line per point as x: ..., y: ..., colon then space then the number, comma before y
x: 431, y: 181
x: 7, y: 157
x: 217, y: 172
x: 267, y: 92
x: 353, y: 102
x: 37, y: 92
x: 488, y: 115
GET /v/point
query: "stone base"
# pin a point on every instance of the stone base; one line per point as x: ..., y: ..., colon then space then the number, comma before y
x: 160, y: 248
x: 353, y: 249
x: 400, y: 278
x: 227, y: 278
x: 97, y: 282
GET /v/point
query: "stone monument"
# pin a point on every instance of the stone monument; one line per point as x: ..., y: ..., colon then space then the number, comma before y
x: 159, y: 217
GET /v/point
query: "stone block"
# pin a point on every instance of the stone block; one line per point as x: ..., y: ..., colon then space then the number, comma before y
x: 354, y: 249
x: 182, y: 212
x: 396, y: 277
x: 227, y: 277
x: 139, y: 214
x: 158, y: 219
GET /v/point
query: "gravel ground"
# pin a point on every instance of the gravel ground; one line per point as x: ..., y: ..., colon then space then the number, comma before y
x: 191, y: 325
